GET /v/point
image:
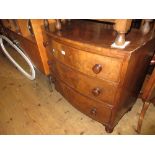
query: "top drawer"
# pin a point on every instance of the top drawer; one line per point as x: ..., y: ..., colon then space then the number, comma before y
x: 91, y: 64
x: 103, y: 67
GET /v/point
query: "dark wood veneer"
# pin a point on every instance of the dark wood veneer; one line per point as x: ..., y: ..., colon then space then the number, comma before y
x: 100, y: 81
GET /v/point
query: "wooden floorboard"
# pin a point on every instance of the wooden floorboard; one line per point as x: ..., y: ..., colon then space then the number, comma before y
x: 29, y: 107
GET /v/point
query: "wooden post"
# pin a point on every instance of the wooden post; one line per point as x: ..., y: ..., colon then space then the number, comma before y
x: 58, y: 24
x: 121, y: 26
x: 145, y: 28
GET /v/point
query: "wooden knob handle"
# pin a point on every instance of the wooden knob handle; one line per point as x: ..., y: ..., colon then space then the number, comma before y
x: 97, y: 68
x: 96, y: 91
x: 93, y: 111
x: 152, y: 62
x: 45, y: 43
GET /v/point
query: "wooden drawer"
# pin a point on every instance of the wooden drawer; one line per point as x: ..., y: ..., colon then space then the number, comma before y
x: 89, y: 86
x: 89, y: 107
x: 92, y: 64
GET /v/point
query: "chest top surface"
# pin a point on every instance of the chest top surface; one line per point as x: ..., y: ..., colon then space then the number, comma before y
x: 89, y: 34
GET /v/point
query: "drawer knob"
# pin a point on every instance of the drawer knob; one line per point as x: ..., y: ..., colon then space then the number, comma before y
x: 63, y: 52
x: 96, y: 91
x: 97, y: 68
x: 45, y: 43
x: 152, y: 62
x: 93, y: 111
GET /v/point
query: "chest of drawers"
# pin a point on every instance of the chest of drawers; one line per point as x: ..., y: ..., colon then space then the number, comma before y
x: 100, y: 81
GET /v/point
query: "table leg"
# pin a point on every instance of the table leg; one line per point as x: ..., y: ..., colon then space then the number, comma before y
x: 142, y: 114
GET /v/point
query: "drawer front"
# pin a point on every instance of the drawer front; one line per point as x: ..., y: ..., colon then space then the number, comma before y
x: 92, y: 64
x: 89, y: 86
x: 89, y: 107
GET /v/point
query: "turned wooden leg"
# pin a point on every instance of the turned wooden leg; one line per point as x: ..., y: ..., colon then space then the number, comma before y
x: 121, y: 26
x: 120, y: 39
x: 142, y: 114
x: 146, y: 26
x: 58, y: 24
x: 109, y: 129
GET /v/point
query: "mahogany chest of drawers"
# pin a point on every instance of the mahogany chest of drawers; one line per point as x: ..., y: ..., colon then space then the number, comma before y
x: 100, y: 81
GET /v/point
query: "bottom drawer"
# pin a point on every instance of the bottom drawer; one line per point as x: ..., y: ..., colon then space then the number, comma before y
x: 93, y: 109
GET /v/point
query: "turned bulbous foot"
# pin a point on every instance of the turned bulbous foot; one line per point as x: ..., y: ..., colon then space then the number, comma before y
x: 129, y: 109
x: 109, y: 129
x: 120, y: 39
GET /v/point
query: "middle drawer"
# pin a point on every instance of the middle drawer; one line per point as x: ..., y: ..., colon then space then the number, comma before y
x: 91, y: 87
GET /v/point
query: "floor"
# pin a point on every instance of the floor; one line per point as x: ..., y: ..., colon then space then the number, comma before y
x: 34, y: 107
